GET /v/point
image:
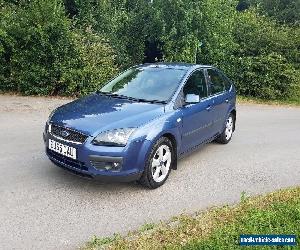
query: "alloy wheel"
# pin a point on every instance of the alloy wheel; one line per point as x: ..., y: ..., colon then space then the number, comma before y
x: 229, y: 128
x: 161, y: 163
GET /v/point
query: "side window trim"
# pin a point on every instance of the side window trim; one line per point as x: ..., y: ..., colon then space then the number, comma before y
x: 207, y: 82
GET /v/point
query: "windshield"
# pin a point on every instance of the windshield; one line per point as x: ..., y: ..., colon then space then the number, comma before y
x: 147, y: 83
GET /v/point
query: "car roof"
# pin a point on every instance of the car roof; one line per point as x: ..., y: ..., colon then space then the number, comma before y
x: 178, y: 65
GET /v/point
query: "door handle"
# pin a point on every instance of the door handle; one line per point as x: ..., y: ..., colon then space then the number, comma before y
x: 208, y: 108
x: 227, y: 101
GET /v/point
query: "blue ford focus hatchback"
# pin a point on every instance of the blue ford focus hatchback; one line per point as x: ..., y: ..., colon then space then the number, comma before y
x: 141, y: 122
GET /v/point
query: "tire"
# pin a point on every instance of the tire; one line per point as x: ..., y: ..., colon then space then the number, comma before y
x: 158, y: 165
x: 227, y: 133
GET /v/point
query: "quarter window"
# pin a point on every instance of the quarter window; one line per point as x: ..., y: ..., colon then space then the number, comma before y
x: 196, y: 85
x: 226, y: 81
x: 217, y: 82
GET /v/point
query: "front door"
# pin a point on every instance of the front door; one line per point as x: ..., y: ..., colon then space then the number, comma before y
x: 220, y: 97
x: 197, y: 117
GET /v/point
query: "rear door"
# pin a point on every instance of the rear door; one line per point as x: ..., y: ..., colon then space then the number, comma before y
x: 197, y: 117
x: 220, y: 97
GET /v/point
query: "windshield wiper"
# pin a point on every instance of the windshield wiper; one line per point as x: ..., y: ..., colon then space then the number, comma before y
x: 130, y: 98
x: 100, y: 92
x: 157, y: 101
x: 142, y: 100
x: 111, y: 94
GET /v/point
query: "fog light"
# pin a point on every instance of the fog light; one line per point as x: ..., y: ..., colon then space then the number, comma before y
x: 116, y: 165
x: 107, y: 166
x: 112, y: 166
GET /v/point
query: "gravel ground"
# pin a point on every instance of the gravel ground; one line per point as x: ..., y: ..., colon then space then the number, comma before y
x: 44, y: 207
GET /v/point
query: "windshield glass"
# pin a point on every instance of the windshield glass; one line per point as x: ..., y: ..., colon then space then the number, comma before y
x: 148, y: 83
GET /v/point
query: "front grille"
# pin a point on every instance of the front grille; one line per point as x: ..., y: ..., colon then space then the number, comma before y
x: 67, y: 161
x: 68, y: 134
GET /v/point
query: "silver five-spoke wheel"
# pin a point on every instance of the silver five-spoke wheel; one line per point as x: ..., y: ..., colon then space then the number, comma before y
x: 161, y: 163
x: 229, y: 128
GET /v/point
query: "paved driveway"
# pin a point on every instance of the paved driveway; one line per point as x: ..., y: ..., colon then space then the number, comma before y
x: 44, y: 207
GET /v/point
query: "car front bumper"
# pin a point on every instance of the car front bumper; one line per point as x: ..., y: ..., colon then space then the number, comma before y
x: 132, y: 159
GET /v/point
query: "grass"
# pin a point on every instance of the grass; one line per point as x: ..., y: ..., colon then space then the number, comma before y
x: 292, y: 101
x: 216, y: 228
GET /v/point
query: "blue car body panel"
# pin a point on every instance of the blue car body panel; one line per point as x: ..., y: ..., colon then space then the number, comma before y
x: 189, y: 125
x: 194, y: 133
x: 97, y: 113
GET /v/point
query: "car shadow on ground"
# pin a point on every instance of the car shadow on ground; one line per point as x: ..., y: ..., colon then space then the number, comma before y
x: 74, y: 181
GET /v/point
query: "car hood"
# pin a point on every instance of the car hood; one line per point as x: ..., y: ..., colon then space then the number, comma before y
x: 96, y: 113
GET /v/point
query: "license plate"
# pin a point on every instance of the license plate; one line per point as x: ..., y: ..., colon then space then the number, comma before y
x: 62, y: 149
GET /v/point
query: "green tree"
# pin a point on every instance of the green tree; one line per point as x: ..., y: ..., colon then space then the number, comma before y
x: 48, y: 55
x: 95, y: 64
x: 43, y: 47
x: 268, y: 57
x: 6, y: 46
x: 216, y: 34
x: 284, y: 11
x: 179, y: 29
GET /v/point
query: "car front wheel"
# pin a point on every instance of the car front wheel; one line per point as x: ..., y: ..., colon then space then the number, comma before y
x: 226, y: 135
x: 159, y: 164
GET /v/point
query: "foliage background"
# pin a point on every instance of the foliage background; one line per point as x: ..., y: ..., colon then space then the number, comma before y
x: 72, y: 47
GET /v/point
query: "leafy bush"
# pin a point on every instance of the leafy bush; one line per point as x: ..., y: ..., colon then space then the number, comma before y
x: 43, y: 48
x: 96, y: 64
x: 287, y: 11
x: 216, y: 34
x: 189, y: 31
x: 5, y: 47
x: 50, y: 57
x: 124, y: 23
x: 266, y: 76
x: 70, y: 47
x: 267, y: 63
x: 179, y: 29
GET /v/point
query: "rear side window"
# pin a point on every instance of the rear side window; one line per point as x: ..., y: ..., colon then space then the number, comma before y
x: 217, y: 81
x: 226, y: 81
x: 196, y: 84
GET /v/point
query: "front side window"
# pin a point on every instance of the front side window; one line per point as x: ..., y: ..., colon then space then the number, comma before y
x: 216, y: 80
x: 148, y: 83
x: 196, y: 85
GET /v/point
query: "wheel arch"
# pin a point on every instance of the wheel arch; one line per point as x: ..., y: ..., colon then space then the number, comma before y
x: 174, y: 142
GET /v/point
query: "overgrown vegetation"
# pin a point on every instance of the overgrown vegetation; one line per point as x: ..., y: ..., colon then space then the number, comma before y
x: 217, y: 228
x: 71, y: 47
x: 295, y: 101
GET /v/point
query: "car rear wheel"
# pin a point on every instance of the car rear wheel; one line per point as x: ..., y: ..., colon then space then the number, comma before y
x: 159, y: 164
x: 226, y: 135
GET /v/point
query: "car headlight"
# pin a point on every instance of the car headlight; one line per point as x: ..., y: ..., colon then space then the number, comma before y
x: 117, y: 137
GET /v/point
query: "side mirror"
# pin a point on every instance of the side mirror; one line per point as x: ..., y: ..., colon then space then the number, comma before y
x: 192, y: 98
